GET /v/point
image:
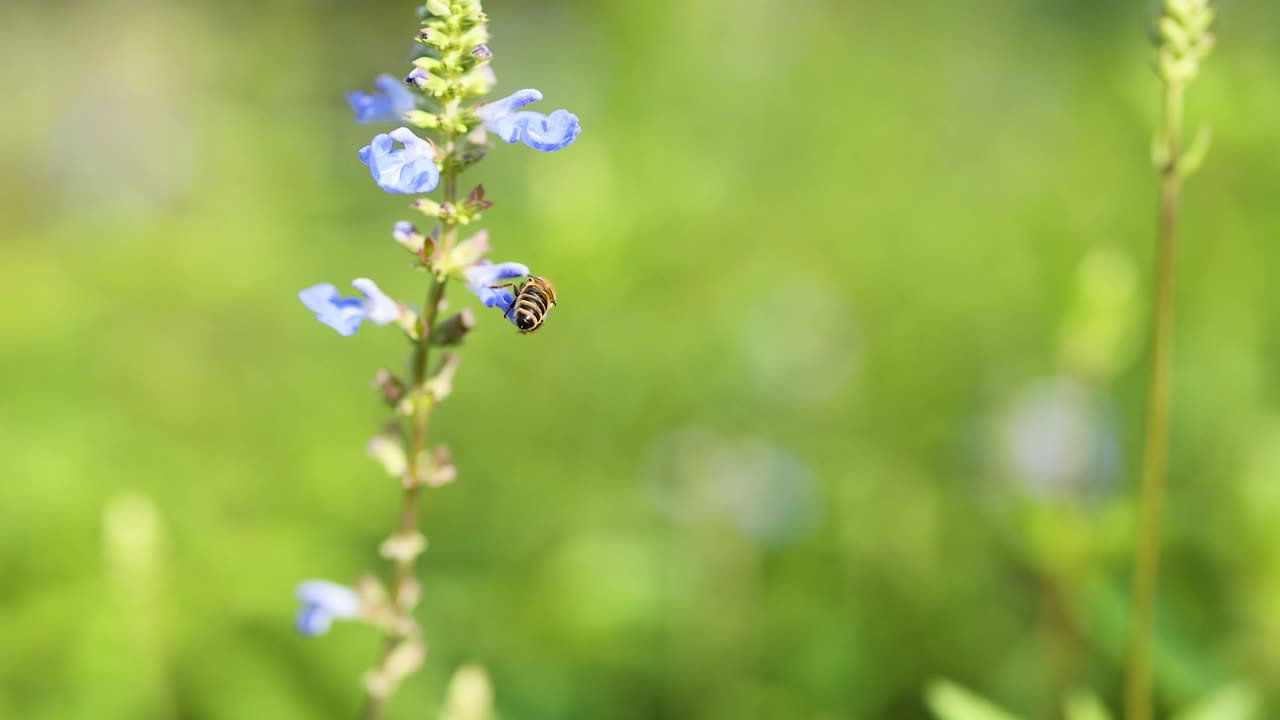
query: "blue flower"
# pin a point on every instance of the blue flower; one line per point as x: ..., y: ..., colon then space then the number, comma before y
x: 484, y: 273
x: 406, y: 170
x: 322, y: 603
x: 547, y: 133
x: 403, y: 231
x: 418, y: 78
x: 346, y: 314
x: 388, y: 106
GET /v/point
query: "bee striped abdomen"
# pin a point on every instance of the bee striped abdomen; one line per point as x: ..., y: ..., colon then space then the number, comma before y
x: 534, y: 298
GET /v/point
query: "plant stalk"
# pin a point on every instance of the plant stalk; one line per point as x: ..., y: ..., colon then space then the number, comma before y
x: 403, y: 573
x: 1155, y: 454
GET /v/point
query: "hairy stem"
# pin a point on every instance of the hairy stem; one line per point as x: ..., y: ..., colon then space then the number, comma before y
x: 403, y: 572
x: 1155, y: 455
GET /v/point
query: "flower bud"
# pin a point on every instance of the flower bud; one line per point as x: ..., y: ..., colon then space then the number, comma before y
x: 422, y: 119
x: 427, y: 206
x: 403, y: 547
x: 453, y: 328
x: 388, y: 452
x: 443, y: 471
x: 439, y: 8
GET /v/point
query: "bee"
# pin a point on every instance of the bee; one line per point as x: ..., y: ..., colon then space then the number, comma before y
x: 533, y: 298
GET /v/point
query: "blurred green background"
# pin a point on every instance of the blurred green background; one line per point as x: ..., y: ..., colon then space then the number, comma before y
x: 843, y: 394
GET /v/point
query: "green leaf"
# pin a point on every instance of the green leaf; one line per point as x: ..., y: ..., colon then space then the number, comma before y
x: 1084, y: 705
x: 470, y: 695
x: 1234, y: 702
x: 949, y: 701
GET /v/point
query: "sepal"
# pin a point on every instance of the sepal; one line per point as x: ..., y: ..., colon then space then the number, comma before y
x: 436, y: 468
x: 440, y: 386
x: 387, y: 450
x: 439, y: 8
x: 427, y: 207
x: 430, y: 64
x: 477, y: 83
x: 465, y: 254
x: 403, y: 547
x: 411, y: 323
x: 454, y: 328
x: 476, y: 202
x: 422, y: 119
x: 404, y: 660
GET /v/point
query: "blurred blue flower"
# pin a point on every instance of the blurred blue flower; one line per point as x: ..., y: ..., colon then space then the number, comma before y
x: 484, y: 273
x: 538, y: 131
x: 406, y: 170
x: 346, y: 314
x: 388, y: 106
x: 322, y: 603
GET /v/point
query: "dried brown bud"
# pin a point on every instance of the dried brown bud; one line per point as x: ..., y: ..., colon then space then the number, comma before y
x: 392, y: 387
x: 476, y: 201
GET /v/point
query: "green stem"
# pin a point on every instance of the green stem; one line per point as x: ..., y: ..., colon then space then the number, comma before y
x: 1155, y: 455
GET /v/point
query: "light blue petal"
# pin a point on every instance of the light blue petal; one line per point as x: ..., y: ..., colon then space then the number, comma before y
x: 313, y: 621
x: 380, y: 309
x: 388, y: 106
x: 338, y: 600
x: 369, y: 108
x: 402, y: 98
x: 504, y: 301
x: 538, y: 131
x: 549, y: 133
x: 508, y: 104
x: 344, y: 315
x: 407, y: 170
x: 318, y: 298
x: 483, y: 274
x: 415, y: 145
x: 491, y: 297
x: 508, y: 270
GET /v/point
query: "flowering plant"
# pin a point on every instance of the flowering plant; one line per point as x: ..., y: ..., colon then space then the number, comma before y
x: 441, y: 97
